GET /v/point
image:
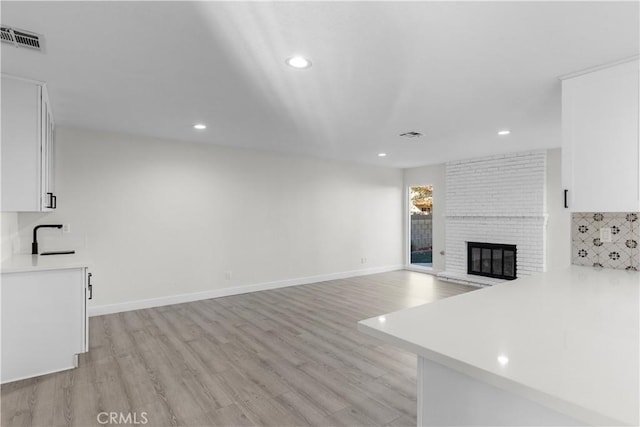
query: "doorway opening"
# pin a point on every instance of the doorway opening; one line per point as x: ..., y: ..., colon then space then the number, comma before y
x: 421, y: 226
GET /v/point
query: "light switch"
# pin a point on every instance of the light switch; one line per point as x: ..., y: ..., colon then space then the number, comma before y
x: 605, y: 235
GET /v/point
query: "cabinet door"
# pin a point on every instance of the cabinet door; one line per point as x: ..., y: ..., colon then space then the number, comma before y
x: 88, y: 294
x: 600, y: 148
x: 51, y: 158
x: 43, y: 322
x: 21, y: 160
x: 49, y: 201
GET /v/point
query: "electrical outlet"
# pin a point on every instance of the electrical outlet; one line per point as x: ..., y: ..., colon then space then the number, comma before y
x: 66, y: 228
x: 363, y: 260
x: 605, y: 235
x: 228, y: 275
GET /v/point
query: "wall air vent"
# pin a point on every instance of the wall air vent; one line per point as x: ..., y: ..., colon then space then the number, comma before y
x: 411, y: 134
x: 21, y: 38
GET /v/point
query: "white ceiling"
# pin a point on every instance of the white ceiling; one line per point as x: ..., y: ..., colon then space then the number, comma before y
x: 456, y: 71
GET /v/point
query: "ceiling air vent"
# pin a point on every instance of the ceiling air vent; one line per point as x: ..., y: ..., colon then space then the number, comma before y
x: 21, y: 38
x: 411, y: 134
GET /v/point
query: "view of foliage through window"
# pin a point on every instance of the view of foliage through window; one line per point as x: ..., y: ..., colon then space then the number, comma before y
x: 421, y: 200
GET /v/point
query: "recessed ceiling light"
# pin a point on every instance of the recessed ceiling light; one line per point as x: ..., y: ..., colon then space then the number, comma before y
x: 382, y: 154
x: 298, y: 62
x: 504, y: 132
x: 199, y: 126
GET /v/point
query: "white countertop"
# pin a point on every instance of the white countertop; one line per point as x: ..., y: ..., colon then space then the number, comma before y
x: 570, y: 339
x: 22, y: 263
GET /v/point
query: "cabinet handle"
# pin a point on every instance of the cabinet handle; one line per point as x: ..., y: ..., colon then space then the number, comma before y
x: 90, y: 286
x: 55, y: 201
x: 50, y: 200
x: 566, y: 202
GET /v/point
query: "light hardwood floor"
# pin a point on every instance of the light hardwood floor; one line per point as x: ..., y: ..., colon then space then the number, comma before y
x: 284, y: 357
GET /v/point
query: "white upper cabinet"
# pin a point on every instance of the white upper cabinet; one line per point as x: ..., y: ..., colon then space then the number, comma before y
x: 600, y: 145
x: 27, y: 147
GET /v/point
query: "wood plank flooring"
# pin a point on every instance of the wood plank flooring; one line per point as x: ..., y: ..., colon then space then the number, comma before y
x: 286, y: 357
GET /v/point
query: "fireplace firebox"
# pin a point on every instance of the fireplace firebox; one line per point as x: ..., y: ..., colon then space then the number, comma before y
x: 491, y: 260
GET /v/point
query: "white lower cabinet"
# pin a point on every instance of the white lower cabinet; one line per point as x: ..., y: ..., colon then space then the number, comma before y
x: 44, y: 321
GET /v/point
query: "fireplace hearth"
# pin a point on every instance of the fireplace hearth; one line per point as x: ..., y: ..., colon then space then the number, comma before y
x: 491, y: 260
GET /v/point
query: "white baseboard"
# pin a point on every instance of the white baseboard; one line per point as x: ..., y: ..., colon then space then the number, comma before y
x: 235, y: 290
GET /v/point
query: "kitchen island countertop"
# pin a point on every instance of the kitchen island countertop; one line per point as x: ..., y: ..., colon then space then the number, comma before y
x: 568, y: 340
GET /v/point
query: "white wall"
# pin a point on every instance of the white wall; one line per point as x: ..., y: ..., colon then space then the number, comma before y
x: 425, y: 175
x: 9, y: 227
x: 162, y: 218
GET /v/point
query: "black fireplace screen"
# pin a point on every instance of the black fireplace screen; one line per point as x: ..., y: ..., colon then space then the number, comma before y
x: 491, y: 260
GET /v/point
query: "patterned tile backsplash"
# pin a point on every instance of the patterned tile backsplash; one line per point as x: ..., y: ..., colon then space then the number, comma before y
x: 623, y: 252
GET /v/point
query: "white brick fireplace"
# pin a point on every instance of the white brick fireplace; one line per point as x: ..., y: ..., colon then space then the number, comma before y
x: 497, y: 199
